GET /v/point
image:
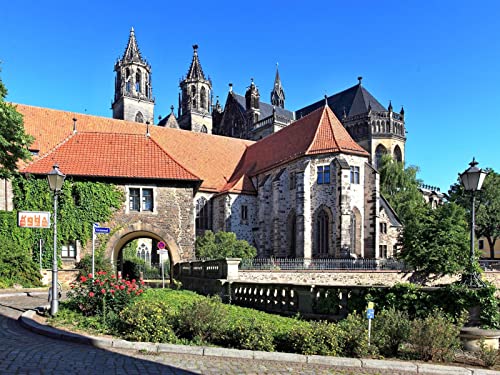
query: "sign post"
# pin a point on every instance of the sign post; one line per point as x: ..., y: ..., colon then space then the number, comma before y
x: 370, y: 314
x: 162, y: 251
x: 40, y: 243
x: 96, y: 229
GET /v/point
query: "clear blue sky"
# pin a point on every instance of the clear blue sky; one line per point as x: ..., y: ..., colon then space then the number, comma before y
x: 440, y: 59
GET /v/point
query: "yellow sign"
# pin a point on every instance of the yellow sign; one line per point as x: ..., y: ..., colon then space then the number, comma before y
x: 370, y: 305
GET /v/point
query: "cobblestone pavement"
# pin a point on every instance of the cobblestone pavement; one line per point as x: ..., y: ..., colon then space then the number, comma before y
x: 24, y: 352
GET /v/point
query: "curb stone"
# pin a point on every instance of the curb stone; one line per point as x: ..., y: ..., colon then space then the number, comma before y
x: 27, y: 321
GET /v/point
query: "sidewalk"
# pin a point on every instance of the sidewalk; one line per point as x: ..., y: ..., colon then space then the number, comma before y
x: 27, y: 319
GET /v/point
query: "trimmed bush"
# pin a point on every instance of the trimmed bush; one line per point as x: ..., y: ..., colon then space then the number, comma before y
x: 321, y: 338
x: 251, y: 334
x: 354, y: 337
x: 390, y: 331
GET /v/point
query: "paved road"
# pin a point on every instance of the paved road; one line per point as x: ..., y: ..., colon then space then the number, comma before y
x: 24, y: 352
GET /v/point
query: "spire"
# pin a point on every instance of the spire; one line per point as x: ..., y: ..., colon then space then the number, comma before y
x: 195, y: 72
x: 278, y: 94
x: 359, y: 80
x: 132, y: 52
x: 390, y: 106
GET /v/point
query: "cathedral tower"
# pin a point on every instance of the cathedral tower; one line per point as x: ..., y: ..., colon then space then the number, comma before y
x: 195, y: 99
x: 252, y: 101
x: 278, y: 94
x: 133, y: 92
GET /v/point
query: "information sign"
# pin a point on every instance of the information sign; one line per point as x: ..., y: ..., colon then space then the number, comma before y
x: 33, y: 219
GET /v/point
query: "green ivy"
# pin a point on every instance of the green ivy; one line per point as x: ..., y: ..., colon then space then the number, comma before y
x: 80, y: 204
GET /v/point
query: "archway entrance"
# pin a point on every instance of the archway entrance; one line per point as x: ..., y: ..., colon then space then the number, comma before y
x: 137, y: 231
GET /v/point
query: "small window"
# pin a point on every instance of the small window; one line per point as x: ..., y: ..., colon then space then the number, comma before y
x: 203, y: 129
x: 293, y: 180
x: 354, y: 175
x: 481, y: 244
x: 141, y: 199
x: 323, y: 174
x: 244, y: 213
x: 383, y: 228
x: 68, y: 250
x: 383, y: 251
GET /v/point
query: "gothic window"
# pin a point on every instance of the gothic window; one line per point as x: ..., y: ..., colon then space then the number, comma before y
x: 293, y: 180
x: 244, y: 213
x: 356, y: 232
x: 323, y: 174
x: 203, y: 214
x: 139, y: 117
x: 379, y: 151
x: 127, y: 73
x: 203, y: 98
x: 397, y: 154
x: 127, y: 86
x: 193, y: 96
x: 292, y: 235
x: 322, y: 233
x: 255, y: 117
x: 203, y: 129
x: 354, y: 175
x: 141, y: 199
x: 138, y: 81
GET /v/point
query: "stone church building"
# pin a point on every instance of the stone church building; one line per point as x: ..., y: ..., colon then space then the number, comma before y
x: 294, y: 184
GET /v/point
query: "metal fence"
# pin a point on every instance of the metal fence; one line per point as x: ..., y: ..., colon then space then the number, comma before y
x: 321, y: 264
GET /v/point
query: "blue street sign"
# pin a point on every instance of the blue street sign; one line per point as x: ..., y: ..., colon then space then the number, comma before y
x: 370, y: 313
x: 101, y: 230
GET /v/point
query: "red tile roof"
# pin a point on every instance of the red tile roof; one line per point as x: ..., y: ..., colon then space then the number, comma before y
x: 212, y: 159
x: 320, y: 132
x: 111, y: 155
x: 116, y: 148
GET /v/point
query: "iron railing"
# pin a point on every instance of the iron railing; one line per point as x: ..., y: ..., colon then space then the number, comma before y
x: 321, y: 264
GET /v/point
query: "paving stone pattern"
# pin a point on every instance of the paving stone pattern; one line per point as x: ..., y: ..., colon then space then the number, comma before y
x: 24, y: 352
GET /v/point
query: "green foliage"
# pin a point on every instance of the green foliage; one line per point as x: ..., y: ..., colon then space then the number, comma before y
x: 487, y: 207
x: 14, y: 142
x: 321, y: 338
x: 488, y: 355
x: 390, y: 331
x: 223, y: 245
x: 353, y: 339
x: 102, y: 294
x: 149, y: 321
x: 435, y: 338
x: 80, y: 205
x: 17, y: 267
x: 434, y: 241
x: 250, y: 333
x: 100, y: 263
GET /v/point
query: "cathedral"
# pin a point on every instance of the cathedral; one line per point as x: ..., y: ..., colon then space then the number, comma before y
x: 298, y: 184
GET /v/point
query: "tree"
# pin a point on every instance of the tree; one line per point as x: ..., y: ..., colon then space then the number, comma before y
x: 14, y: 142
x: 223, y: 245
x: 434, y: 241
x: 487, y: 208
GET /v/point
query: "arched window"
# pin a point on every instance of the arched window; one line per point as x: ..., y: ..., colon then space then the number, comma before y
x: 139, y: 117
x: 379, y: 151
x: 203, y: 214
x: 356, y: 232
x: 193, y: 96
x: 203, y: 129
x: 322, y: 233
x: 203, y: 98
x: 398, y: 156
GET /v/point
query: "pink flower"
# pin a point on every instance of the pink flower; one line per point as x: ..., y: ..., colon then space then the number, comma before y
x: 140, y: 290
x: 133, y: 280
x: 83, y: 279
x: 103, y: 291
x: 113, y: 276
x: 89, y: 275
x: 112, y: 291
x: 91, y: 294
x: 122, y: 287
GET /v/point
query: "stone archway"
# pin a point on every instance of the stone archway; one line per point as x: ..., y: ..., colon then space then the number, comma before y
x: 121, y: 237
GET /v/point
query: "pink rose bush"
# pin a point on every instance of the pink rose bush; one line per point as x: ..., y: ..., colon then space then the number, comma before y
x: 102, y: 293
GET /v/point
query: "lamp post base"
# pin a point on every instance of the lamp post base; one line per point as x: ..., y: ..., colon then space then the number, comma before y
x: 472, y: 280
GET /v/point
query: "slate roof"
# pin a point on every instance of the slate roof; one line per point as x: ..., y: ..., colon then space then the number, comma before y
x: 354, y: 100
x: 266, y: 109
x: 391, y: 214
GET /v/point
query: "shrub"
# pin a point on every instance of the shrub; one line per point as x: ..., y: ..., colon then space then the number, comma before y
x: 250, y: 334
x: 148, y: 321
x: 353, y: 339
x: 390, y: 330
x: 100, y: 263
x: 97, y: 296
x: 223, y: 245
x: 203, y: 321
x: 436, y: 337
x: 321, y: 338
x: 487, y: 354
x: 16, y: 267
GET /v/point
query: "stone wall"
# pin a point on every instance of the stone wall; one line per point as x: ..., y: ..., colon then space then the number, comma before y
x: 340, y: 277
x: 6, y: 195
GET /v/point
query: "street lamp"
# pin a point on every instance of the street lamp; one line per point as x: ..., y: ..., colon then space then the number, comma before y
x: 472, y: 180
x: 56, y: 179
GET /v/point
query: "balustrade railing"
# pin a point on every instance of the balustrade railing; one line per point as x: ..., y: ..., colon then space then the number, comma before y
x: 321, y: 264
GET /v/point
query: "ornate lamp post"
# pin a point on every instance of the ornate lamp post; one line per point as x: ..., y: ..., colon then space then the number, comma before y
x: 56, y: 179
x: 472, y: 180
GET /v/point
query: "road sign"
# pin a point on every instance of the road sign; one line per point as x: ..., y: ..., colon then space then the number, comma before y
x: 162, y: 252
x: 101, y: 230
x: 370, y: 313
x: 161, y: 245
